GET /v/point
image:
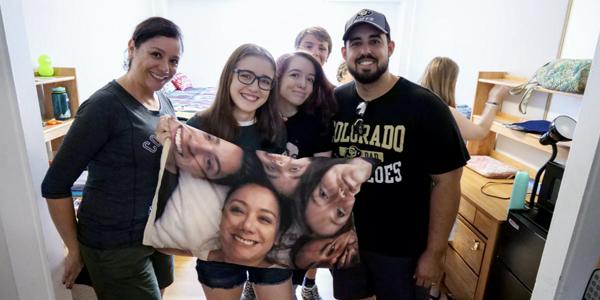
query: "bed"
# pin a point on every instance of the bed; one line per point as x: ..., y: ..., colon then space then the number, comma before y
x: 191, y: 100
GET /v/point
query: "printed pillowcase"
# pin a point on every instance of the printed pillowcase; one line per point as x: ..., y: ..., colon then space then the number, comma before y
x: 219, y: 202
x: 181, y: 82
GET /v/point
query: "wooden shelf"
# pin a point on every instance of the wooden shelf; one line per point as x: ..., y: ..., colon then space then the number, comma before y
x: 55, y: 131
x: 530, y: 139
x: 505, y: 81
x: 513, y: 81
x: 39, y: 80
x: 63, y: 77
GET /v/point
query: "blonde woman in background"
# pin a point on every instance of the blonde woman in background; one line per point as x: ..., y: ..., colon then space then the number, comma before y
x: 440, y: 77
x: 343, y: 76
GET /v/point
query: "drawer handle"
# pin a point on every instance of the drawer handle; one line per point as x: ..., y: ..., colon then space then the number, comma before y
x: 475, y: 246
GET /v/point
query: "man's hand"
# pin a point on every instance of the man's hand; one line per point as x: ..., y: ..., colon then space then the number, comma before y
x: 73, y: 265
x: 429, y: 268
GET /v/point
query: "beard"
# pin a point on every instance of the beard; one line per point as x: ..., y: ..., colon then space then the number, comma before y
x: 368, y: 77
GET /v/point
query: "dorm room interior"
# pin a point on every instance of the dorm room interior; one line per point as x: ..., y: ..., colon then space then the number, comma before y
x: 494, y: 252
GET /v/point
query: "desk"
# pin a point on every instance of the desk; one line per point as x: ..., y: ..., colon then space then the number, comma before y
x: 470, y: 255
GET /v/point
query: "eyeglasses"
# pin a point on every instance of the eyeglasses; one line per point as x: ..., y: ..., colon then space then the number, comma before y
x: 248, y: 77
x: 360, y: 112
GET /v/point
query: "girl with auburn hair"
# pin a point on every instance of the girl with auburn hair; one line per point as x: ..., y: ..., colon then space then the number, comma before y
x: 307, y: 104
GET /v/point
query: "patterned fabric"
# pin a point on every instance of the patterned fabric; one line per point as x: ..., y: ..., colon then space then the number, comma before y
x: 565, y: 75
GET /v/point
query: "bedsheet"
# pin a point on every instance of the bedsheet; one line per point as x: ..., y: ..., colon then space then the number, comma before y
x: 192, y: 100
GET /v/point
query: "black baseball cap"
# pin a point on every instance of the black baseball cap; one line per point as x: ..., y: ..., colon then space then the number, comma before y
x: 367, y: 16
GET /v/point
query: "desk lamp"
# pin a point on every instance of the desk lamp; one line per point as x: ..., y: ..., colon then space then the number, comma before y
x: 560, y: 130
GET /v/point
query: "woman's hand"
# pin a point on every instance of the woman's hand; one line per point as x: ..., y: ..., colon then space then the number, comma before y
x: 73, y: 265
x: 497, y: 94
x: 163, y: 129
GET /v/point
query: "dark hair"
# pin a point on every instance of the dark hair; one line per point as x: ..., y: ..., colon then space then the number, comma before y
x: 251, y: 168
x: 153, y: 27
x: 285, y: 215
x: 219, y: 120
x: 319, y: 32
x: 308, y: 183
x: 321, y: 101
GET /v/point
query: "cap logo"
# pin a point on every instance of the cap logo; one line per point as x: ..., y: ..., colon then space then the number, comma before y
x: 364, y: 12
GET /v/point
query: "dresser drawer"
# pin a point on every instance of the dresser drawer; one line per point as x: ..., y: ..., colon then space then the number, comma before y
x: 468, y: 245
x: 459, y: 278
x: 467, y: 210
x: 484, y: 224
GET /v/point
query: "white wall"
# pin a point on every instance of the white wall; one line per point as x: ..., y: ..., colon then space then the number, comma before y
x: 31, y: 252
x: 512, y: 35
x: 582, y: 30
x: 88, y: 35
x: 213, y: 29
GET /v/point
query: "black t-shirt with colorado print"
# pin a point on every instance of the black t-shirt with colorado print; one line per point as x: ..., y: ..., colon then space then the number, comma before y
x: 413, y: 135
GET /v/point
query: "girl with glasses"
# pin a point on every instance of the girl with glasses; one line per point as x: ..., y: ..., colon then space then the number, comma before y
x: 245, y: 113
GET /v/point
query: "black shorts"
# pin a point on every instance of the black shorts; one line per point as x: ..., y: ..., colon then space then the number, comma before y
x: 298, y: 276
x: 386, y: 277
x: 227, y: 276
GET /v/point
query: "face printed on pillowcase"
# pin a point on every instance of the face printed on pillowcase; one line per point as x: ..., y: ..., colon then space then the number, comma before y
x: 202, y: 154
x: 249, y: 225
x: 284, y: 172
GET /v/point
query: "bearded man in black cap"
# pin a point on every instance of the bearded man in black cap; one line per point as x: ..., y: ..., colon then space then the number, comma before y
x: 405, y: 211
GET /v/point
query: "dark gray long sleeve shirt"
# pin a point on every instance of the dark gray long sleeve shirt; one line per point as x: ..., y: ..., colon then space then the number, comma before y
x: 113, y: 135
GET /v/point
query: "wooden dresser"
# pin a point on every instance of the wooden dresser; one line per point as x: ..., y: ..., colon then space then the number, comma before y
x: 471, y: 251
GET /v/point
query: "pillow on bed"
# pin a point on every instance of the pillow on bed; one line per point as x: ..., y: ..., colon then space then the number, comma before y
x: 181, y: 81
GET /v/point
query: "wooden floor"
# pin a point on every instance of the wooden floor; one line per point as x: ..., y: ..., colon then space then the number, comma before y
x: 187, y: 287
